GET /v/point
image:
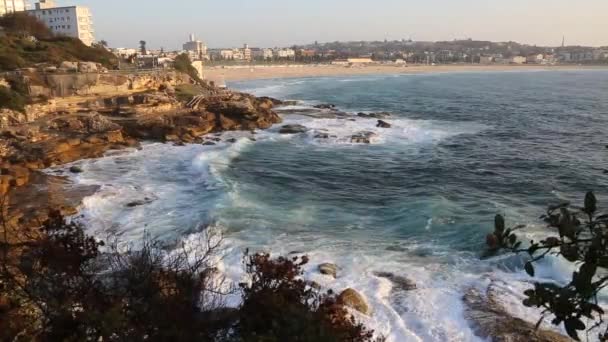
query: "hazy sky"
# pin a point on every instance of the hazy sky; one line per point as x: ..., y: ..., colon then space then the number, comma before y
x: 226, y: 23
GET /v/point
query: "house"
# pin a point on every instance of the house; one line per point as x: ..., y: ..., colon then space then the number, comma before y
x: 227, y: 54
x: 285, y: 53
x: 124, y: 52
x: 70, y: 21
x: 519, y: 60
x: 267, y: 53
x: 535, y: 58
x: 486, y: 59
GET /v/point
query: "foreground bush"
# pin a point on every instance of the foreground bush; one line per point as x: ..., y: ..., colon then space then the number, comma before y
x: 279, y: 306
x: 58, y: 285
x: 580, y: 236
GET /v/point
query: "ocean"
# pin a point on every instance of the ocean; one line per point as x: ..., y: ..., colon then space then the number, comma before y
x: 417, y: 201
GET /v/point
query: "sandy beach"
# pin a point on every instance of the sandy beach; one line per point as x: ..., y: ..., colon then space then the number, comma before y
x: 240, y: 73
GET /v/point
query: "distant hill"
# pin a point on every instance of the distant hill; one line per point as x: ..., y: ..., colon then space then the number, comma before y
x: 25, y: 42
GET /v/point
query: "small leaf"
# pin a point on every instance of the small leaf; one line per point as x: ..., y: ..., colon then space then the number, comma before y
x: 590, y: 203
x: 499, y: 223
x: 529, y: 269
x: 572, y: 325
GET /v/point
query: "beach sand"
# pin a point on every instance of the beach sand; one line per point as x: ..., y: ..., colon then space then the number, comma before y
x: 240, y: 73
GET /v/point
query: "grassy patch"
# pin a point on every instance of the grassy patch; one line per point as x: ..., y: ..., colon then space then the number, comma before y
x: 11, y: 99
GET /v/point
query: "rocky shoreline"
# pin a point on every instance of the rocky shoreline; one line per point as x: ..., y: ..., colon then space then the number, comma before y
x: 91, y: 128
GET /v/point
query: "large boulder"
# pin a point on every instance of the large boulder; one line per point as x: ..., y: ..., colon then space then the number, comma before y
x: 400, y: 282
x: 87, y: 67
x: 355, y: 300
x: 362, y: 137
x: 69, y: 66
x: 383, y: 124
x: 99, y: 124
x: 492, y: 321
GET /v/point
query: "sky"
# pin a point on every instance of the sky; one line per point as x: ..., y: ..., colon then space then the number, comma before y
x: 276, y: 23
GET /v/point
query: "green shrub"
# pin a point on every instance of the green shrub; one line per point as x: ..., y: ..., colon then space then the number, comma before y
x: 12, y: 100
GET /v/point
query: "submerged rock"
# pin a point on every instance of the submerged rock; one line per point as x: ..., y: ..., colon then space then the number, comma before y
x: 355, y: 300
x: 362, y: 137
x: 379, y: 115
x: 492, y: 321
x: 400, y: 282
x: 383, y: 124
x: 76, y: 169
x: 328, y: 269
x: 290, y: 103
x: 209, y: 143
x: 321, y: 136
x: 293, y: 129
x: 325, y: 106
x: 141, y: 202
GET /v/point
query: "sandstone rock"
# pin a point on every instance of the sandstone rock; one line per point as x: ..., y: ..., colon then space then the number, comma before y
x: 400, y: 282
x: 362, y: 137
x: 99, y: 124
x: 87, y: 67
x: 355, y: 300
x: 328, y: 269
x: 383, y: 124
x: 293, y: 129
x: 69, y: 66
x: 491, y: 320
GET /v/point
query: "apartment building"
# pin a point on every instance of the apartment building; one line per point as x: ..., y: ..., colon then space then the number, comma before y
x: 197, y: 48
x: 70, y: 21
x: 10, y: 6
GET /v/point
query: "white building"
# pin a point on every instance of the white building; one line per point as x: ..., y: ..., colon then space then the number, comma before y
x: 285, y: 53
x: 267, y: 53
x: 246, y: 52
x: 125, y: 52
x: 519, y: 60
x: 10, y: 6
x: 197, y: 48
x: 227, y: 54
x: 70, y: 21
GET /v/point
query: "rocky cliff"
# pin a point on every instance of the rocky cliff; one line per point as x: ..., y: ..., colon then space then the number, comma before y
x: 91, y: 128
